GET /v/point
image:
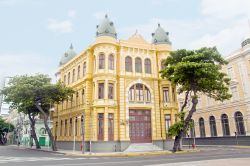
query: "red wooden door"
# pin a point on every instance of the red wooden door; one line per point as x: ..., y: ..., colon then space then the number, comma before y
x: 140, y: 126
x: 100, y: 126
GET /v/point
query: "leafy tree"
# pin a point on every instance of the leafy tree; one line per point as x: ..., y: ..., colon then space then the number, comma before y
x: 196, y: 72
x: 5, y: 127
x: 36, y: 93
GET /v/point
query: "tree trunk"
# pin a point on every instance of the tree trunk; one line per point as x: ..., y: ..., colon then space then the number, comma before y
x: 45, y: 120
x: 177, y: 140
x: 33, y: 131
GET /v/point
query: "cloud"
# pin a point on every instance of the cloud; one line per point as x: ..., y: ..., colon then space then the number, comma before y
x: 71, y: 13
x: 26, y: 63
x: 64, y: 26
x: 225, y: 8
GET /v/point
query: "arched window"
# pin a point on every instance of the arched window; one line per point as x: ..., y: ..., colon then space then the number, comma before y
x: 111, y: 62
x: 225, y: 125
x: 128, y: 64
x: 138, y: 65
x: 73, y: 76
x: 139, y: 93
x: 162, y: 64
x: 84, y: 69
x: 69, y: 78
x: 147, y: 66
x: 192, y: 129
x: 82, y: 125
x: 78, y: 72
x: 212, y: 124
x: 202, y: 128
x: 70, y: 126
x: 239, y: 122
x: 101, y: 61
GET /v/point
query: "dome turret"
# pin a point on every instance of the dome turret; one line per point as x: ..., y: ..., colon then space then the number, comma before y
x: 106, y: 28
x: 160, y: 36
x: 68, y: 55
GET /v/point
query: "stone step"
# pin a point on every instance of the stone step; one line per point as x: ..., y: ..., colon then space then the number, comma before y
x: 142, y: 147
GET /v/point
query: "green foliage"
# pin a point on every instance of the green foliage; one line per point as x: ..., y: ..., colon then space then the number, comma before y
x: 25, y: 91
x: 5, y: 126
x: 198, y: 71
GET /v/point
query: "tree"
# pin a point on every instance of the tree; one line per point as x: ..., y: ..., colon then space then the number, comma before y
x: 196, y: 72
x: 5, y: 127
x: 36, y: 93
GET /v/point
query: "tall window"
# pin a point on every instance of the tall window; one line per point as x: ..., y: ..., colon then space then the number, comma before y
x: 111, y: 126
x: 82, y: 96
x: 78, y: 72
x: 101, y: 61
x: 75, y: 127
x: 192, y: 129
x: 100, y: 90
x: 100, y: 126
x: 239, y: 122
x: 167, y: 123
x: 138, y: 65
x: 111, y: 62
x: 111, y: 91
x: 82, y: 125
x: 69, y: 78
x: 73, y: 76
x: 235, y: 94
x: 139, y: 92
x: 77, y: 99
x: 212, y: 124
x: 70, y: 127
x: 225, y: 125
x: 162, y: 64
x: 128, y: 64
x: 65, y: 78
x: 230, y: 72
x: 84, y: 69
x: 56, y: 129
x: 147, y: 66
x: 71, y: 101
x: 202, y: 128
x: 66, y: 128
x: 61, y: 126
x: 166, y: 94
x: 173, y: 94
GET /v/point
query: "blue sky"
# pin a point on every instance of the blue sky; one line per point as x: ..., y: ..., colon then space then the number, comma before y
x: 35, y: 33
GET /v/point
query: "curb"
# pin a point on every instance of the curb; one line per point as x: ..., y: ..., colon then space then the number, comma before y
x: 243, y: 147
x: 133, y: 154
x: 42, y: 150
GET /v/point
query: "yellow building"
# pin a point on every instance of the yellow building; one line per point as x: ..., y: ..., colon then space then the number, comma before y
x: 119, y: 97
x: 220, y: 122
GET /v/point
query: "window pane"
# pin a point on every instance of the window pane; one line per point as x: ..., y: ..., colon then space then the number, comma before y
x: 101, y: 61
x: 100, y: 90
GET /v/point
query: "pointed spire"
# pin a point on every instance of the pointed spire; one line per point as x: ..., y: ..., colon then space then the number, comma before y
x: 71, y: 46
x: 106, y: 15
x: 159, y: 25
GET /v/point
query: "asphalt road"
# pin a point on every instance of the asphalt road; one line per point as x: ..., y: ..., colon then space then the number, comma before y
x: 12, y: 156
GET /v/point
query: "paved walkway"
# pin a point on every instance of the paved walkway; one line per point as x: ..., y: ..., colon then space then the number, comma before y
x: 217, y: 162
x: 79, y: 153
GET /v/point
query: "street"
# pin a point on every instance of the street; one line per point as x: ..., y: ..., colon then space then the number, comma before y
x: 11, y: 155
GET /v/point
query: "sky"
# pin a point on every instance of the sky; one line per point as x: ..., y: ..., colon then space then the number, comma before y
x: 34, y: 34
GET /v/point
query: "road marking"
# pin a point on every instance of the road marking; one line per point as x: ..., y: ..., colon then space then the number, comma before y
x: 7, y: 159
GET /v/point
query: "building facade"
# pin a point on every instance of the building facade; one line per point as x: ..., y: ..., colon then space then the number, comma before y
x: 224, y: 122
x: 119, y: 97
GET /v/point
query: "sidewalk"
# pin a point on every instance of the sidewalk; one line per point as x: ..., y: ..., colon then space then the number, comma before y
x: 107, y: 154
x: 217, y: 162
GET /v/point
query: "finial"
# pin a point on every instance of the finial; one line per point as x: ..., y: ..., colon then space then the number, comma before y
x: 159, y: 24
x: 71, y: 46
x: 136, y: 32
x: 106, y: 15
